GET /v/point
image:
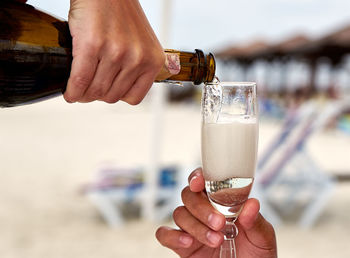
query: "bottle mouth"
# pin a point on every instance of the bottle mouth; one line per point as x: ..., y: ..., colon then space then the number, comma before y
x: 211, y: 66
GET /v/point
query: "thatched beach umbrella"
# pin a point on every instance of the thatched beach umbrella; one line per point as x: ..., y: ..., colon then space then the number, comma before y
x: 333, y: 46
x: 282, y: 49
x: 242, y: 53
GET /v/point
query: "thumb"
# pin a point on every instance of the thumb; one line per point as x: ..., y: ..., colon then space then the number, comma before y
x: 196, y: 181
x: 258, y: 231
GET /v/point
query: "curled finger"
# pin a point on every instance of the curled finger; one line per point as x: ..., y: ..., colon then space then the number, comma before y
x: 173, y: 239
x: 104, y: 77
x: 199, y: 206
x: 83, y: 70
x: 139, y: 89
x: 188, y: 223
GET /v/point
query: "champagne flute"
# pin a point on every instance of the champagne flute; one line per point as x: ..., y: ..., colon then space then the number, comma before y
x: 229, y: 150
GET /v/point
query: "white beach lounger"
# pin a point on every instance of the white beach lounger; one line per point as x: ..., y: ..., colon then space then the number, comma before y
x: 287, y: 176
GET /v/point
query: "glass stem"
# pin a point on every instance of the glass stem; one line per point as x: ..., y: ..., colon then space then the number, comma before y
x: 228, y: 248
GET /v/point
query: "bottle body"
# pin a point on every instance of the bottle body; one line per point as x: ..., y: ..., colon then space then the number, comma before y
x: 36, y: 56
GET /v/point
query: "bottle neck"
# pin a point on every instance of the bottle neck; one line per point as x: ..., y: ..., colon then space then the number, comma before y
x: 194, y: 67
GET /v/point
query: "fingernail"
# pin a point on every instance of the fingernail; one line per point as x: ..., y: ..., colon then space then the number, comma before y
x: 186, y: 240
x: 215, y: 221
x: 213, y: 237
x: 193, y: 178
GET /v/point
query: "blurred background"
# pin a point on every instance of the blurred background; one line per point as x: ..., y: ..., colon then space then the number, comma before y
x: 96, y: 180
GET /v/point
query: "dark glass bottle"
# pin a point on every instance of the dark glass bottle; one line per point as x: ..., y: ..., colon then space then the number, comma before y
x: 36, y: 56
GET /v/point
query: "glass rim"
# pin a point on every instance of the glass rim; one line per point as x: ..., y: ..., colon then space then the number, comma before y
x: 234, y: 84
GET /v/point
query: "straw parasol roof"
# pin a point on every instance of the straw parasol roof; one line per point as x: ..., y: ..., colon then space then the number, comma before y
x: 333, y: 46
x: 283, y: 48
x: 340, y: 37
x: 243, y: 52
x: 292, y: 43
x: 259, y: 49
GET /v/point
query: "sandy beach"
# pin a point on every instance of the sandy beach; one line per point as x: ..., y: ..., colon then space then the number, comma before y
x: 49, y: 150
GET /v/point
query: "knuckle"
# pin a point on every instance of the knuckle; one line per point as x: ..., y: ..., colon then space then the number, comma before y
x: 177, y: 212
x: 137, y: 58
x: 196, y: 207
x: 69, y: 99
x: 94, y: 45
x: 80, y: 82
x: 162, y: 237
x: 111, y: 99
x: 116, y: 52
x: 133, y: 100
x: 90, y: 46
x: 184, y: 193
x: 153, y: 63
x: 159, y: 235
x: 97, y: 93
x: 157, y: 55
x: 159, y: 60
